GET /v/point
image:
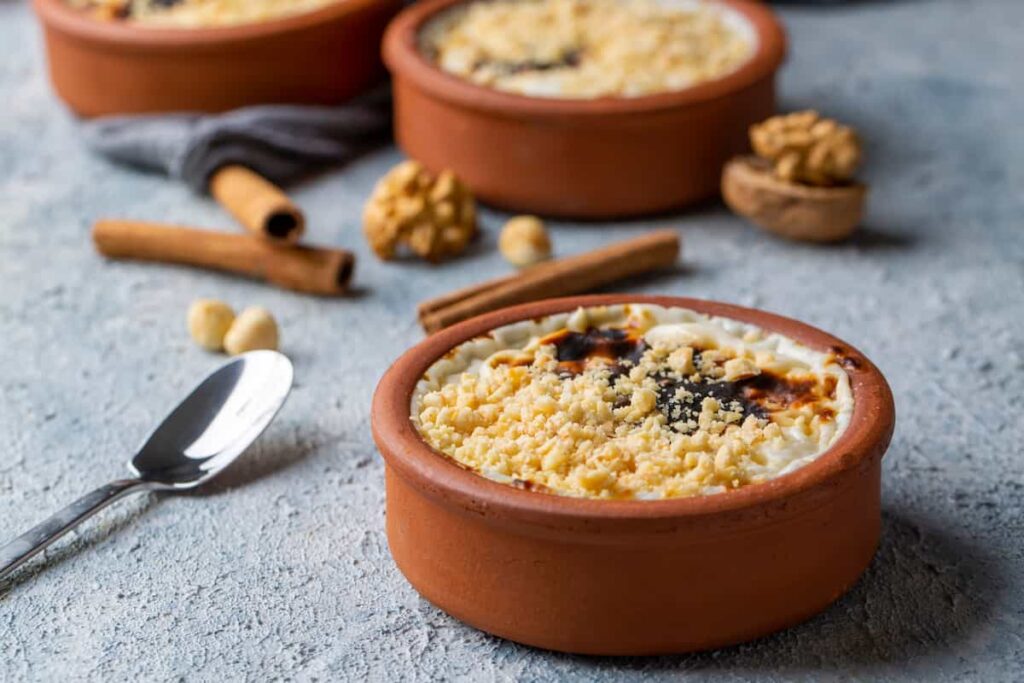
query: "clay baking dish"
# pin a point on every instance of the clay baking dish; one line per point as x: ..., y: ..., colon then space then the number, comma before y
x: 597, y: 158
x: 320, y: 57
x: 632, y: 577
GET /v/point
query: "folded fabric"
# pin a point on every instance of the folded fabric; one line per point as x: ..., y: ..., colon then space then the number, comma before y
x: 280, y: 142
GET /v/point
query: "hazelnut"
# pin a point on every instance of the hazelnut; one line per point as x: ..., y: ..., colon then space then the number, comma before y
x: 434, y: 216
x: 740, y: 368
x: 524, y: 241
x: 253, y: 329
x: 208, y: 322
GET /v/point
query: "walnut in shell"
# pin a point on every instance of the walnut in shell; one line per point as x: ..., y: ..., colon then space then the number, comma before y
x: 800, y: 183
x: 435, y: 216
x: 793, y: 210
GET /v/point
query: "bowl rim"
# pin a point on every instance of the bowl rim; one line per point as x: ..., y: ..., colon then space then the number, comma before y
x: 865, y: 438
x: 404, y: 59
x: 58, y: 15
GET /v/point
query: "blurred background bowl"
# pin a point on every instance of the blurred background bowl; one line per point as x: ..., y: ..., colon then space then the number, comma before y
x: 596, y: 158
x: 319, y: 57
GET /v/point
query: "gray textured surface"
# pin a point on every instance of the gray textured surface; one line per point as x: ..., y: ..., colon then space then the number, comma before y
x: 283, y: 570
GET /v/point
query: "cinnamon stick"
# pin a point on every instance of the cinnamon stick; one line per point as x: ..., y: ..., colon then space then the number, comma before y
x: 431, y: 305
x: 260, y: 206
x: 305, y: 269
x: 563, y: 277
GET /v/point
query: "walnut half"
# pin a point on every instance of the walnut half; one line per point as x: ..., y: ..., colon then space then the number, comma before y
x: 800, y: 183
x: 435, y: 216
x: 806, y: 148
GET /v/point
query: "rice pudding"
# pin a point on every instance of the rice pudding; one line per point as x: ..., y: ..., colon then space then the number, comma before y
x: 632, y: 402
x: 194, y: 13
x: 588, y: 48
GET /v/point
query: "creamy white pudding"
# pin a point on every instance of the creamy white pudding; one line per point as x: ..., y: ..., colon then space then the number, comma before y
x: 634, y: 401
x: 588, y: 48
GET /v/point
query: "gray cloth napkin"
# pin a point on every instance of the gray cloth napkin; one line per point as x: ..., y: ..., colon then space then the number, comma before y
x: 280, y: 142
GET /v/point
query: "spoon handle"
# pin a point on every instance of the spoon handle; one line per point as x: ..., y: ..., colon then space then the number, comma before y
x: 15, y: 553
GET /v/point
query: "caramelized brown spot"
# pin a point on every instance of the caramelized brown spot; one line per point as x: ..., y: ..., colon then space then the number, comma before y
x: 843, y: 357
x: 774, y: 392
x: 569, y: 59
x: 574, y: 349
x: 759, y: 396
x: 680, y: 411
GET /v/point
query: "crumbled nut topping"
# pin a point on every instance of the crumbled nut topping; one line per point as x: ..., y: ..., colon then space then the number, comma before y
x: 806, y: 148
x: 587, y: 48
x: 608, y: 413
x: 434, y: 216
x: 194, y: 13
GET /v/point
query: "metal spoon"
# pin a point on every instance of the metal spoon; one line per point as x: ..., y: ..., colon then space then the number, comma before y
x: 202, y: 436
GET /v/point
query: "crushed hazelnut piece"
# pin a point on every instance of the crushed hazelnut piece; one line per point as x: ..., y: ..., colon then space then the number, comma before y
x: 681, y: 360
x: 434, y: 215
x: 806, y: 148
x: 524, y: 241
x: 649, y: 426
x: 740, y: 368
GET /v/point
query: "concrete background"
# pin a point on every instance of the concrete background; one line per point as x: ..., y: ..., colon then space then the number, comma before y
x: 282, y: 570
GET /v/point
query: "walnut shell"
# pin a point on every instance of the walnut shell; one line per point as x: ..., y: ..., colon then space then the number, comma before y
x: 800, y: 212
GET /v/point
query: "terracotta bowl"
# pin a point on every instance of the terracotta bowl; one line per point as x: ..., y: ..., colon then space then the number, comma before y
x: 598, y: 158
x: 632, y: 577
x: 320, y: 57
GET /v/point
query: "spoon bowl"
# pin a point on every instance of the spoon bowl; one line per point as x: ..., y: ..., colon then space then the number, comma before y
x: 216, y: 422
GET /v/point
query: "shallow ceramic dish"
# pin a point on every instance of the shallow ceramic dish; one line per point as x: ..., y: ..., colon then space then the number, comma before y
x: 596, y: 158
x: 632, y: 577
x: 319, y: 57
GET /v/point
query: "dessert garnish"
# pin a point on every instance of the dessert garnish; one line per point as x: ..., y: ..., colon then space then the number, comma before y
x: 588, y: 48
x: 800, y: 183
x: 635, y: 401
x: 435, y: 216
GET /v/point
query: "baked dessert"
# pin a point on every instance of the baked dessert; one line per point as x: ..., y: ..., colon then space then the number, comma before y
x: 632, y: 402
x: 194, y: 13
x: 588, y: 48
